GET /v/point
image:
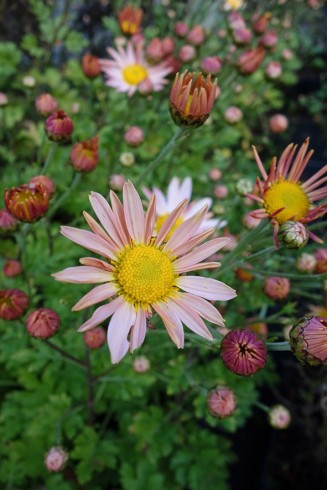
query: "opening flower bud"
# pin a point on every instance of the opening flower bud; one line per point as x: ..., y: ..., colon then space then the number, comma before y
x: 293, y: 234
x: 42, y: 323
x: 13, y: 303
x: 59, y: 127
x: 308, y: 340
x: 27, y: 203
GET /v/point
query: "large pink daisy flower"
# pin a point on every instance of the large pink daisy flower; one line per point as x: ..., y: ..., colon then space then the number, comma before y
x: 128, y: 70
x: 145, y: 274
x: 282, y: 195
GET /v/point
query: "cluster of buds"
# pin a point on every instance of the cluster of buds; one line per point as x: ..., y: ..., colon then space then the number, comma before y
x: 46, y: 104
x: 13, y: 303
x: 27, y: 203
x: 59, y: 127
x: 84, y: 155
x: 130, y: 19
x: 192, y: 99
x: 308, y: 340
x: 221, y: 402
x: 243, y: 352
x: 42, y: 323
x: 160, y: 49
x: 90, y: 65
x: 293, y: 234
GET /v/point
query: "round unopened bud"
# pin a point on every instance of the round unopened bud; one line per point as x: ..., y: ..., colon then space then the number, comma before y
x: 236, y: 20
x: 12, y: 268
x: 127, y: 159
x: 84, y: 155
x: 141, y: 364
x: 308, y: 340
x: 269, y: 39
x: 220, y: 191
x: 276, y: 287
x: 273, y: 70
x: 116, y: 182
x: 95, y: 337
x: 321, y: 258
x: 221, y: 402
x: 293, y: 234
x: 42, y: 323
x: 233, y: 115
x: 46, y: 104
x: 187, y: 53
x: 306, y: 263
x: 244, y: 186
x: 215, y: 174
x: 47, y: 183
x: 56, y: 459
x: 168, y: 46
x: 278, y: 123
x: 134, y: 136
x: 279, y: 417
x: 211, y: 65
x: 154, y: 50
x: 59, y: 126
x: 287, y: 54
x: 196, y: 36
x: 243, y: 352
x: 3, y: 99
x: 90, y: 65
x: 242, y: 35
x: 181, y: 29
x: 29, y: 81
x: 145, y: 87
x: 13, y: 303
x: 7, y: 221
x: 260, y: 22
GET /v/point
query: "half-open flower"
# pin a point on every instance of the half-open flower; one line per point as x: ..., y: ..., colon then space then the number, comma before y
x: 281, y: 194
x: 84, y: 155
x: 145, y: 274
x: 130, y: 19
x: 27, y: 203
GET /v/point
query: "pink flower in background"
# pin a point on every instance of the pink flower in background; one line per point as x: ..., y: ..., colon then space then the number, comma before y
x: 59, y: 126
x: 211, y: 65
x: 12, y: 268
x: 46, y: 104
x: 168, y: 45
x: 116, y: 182
x: 260, y: 22
x: 233, y: 114
x: 306, y: 263
x: 273, y: 70
x: 141, y: 364
x: 143, y: 273
x: 84, y: 155
x: 181, y: 29
x: 276, y: 287
x: 134, y: 136
x: 243, y: 352
x: 7, y: 221
x: 45, y: 181
x: 196, y: 36
x: 95, y: 338
x: 242, y: 35
x: 269, y: 39
x: 221, y: 402
x: 250, y: 60
x: 279, y: 417
x: 154, y: 50
x: 278, y: 123
x: 128, y: 69
x: 321, y: 260
x: 187, y: 53
x: 55, y: 459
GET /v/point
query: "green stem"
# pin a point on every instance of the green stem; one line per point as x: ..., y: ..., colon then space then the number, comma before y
x: 180, y: 132
x: 305, y: 294
x: 40, y: 149
x: 299, y: 277
x: 263, y: 407
x: 65, y: 354
x: 278, y: 346
x: 50, y: 155
x: 75, y: 181
x: 253, y: 256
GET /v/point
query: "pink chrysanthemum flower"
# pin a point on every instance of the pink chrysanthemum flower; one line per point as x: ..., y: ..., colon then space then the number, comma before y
x: 283, y: 196
x: 178, y: 191
x: 128, y: 69
x: 143, y: 272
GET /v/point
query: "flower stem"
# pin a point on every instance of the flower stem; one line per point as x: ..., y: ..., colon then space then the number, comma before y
x: 263, y: 407
x: 278, y: 346
x: 180, y: 132
x: 75, y: 181
x: 50, y: 155
x: 65, y: 354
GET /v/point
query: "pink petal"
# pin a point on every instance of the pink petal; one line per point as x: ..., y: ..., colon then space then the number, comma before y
x: 105, y: 215
x: 199, y: 267
x: 170, y: 222
x: 96, y: 295
x: 203, y: 308
x: 119, y: 218
x: 192, y: 242
x: 200, y: 253
x: 88, y: 240
x: 133, y: 212
x: 96, y: 263
x: 206, y: 287
x: 185, y: 231
x: 96, y: 228
x: 118, y: 331
x: 138, y: 331
x: 101, y: 314
x: 172, y: 323
x: 150, y: 220
x: 83, y: 275
x: 191, y: 319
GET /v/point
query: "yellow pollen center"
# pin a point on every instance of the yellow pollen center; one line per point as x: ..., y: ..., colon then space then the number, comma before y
x: 134, y: 74
x: 145, y: 274
x: 129, y: 27
x: 288, y: 195
x: 159, y: 223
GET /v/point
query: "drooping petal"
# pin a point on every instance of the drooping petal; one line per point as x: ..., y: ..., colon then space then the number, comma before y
x: 83, y: 275
x: 118, y: 330
x: 138, y: 331
x: 96, y: 295
x: 133, y: 212
x: 101, y: 314
x: 206, y: 288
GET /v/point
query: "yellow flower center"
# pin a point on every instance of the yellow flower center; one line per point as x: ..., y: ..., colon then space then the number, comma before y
x: 134, y: 74
x: 235, y: 4
x: 159, y: 223
x: 287, y: 195
x: 145, y: 274
x: 129, y: 27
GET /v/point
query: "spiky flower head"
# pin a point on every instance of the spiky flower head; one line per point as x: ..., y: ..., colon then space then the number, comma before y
x: 84, y: 155
x: 221, y: 402
x: 13, y: 303
x: 42, y: 323
x: 27, y: 203
x: 243, y: 352
x: 293, y: 235
x: 283, y: 196
x: 145, y: 273
x: 279, y: 417
x: 59, y: 127
x: 308, y: 340
x: 192, y: 99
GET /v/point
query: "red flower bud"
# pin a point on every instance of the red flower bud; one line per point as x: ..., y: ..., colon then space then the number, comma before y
x: 55, y: 459
x: 90, y: 65
x: 46, y: 104
x: 42, y: 323
x: 26, y: 203
x: 134, y: 136
x: 84, y: 155
x: 12, y: 268
x: 250, y: 60
x: 181, y: 29
x: 59, y: 126
x: 95, y: 338
x: 221, y: 402
x: 47, y: 183
x: 196, y: 36
x: 243, y: 352
x: 13, y: 303
x: 7, y: 221
x: 260, y: 22
x: 276, y: 287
